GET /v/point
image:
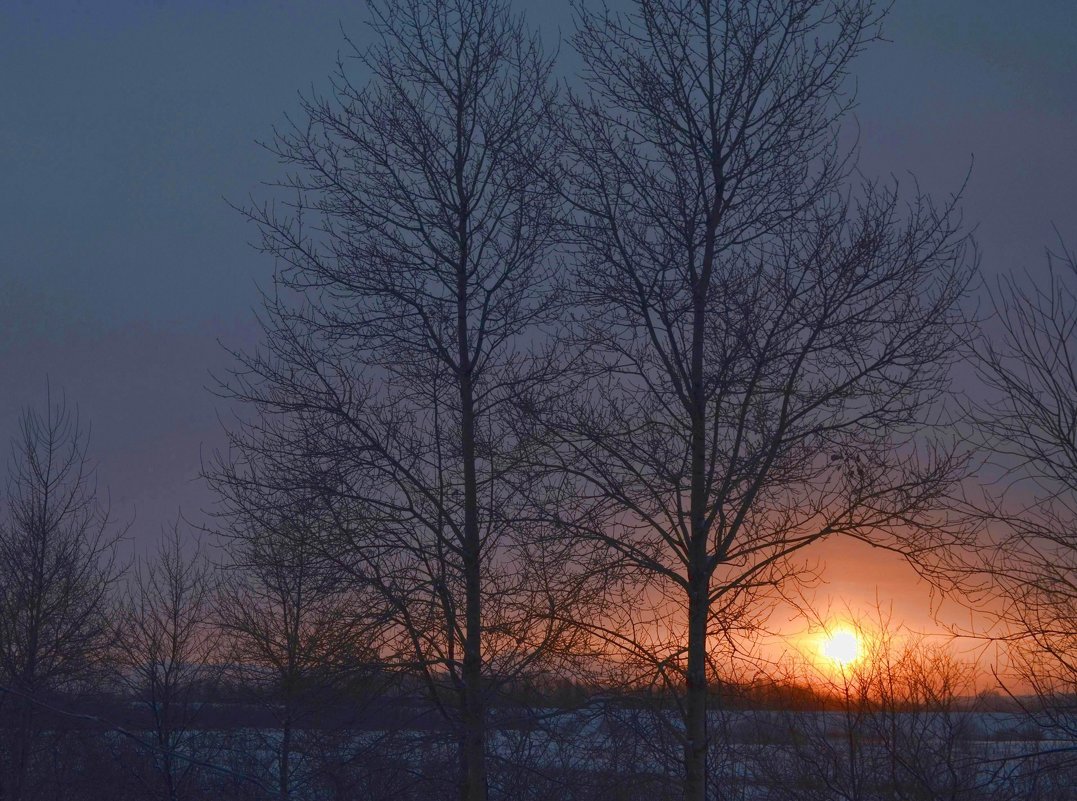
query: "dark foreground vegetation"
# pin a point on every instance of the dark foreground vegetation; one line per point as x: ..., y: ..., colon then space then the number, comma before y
x: 398, y: 747
x: 557, y: 387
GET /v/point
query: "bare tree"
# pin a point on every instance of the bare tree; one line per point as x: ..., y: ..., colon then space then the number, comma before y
x: 414, y: 304
x: 296, y: 639
x: 1028, y: 423
x: 898, y: 724
x: 57, y: 571
x: 760, y: 350
x: 165, y: 649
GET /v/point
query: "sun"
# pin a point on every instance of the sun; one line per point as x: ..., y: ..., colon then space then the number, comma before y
x: 841, y: 646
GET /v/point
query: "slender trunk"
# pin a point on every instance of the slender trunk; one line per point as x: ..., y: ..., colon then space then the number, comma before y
x: 696, y: 745
x: 695, y: 749
x: 696, y: 688
x: 284, y: 762
x: 27, y: 737
x: 852, y: 723
x: 167, y: 744
x: 473, y: 751
x: 474, y: 788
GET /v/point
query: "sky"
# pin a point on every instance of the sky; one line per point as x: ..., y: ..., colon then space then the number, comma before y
x: 127, y: 126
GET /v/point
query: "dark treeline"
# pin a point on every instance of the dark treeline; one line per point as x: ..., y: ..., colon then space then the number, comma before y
x: 557, y: 387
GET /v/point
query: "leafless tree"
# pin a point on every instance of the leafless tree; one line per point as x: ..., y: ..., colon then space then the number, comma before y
x: 761, y: 347
x: 1028, y: 423
x: 57, y: 572
x: 295, y: 638
x: 415, y: 301
x: 165, y: 647
x: 899, y: 725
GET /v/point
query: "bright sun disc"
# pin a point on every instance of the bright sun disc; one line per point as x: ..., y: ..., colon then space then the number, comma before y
x: 841, y: 647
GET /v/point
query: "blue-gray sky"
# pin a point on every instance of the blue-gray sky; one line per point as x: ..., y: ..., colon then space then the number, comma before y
x: 125, y: 124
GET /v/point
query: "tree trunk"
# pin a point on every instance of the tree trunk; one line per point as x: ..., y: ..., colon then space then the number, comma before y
x: 696, y: 745
x: 695, y: 748
x: 474, y: 735
x: 473, y: 751
x: 26, y: 734
x: 284, y: 763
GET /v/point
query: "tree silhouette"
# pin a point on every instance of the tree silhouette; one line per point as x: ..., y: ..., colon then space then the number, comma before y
x: 761, y: 345
x: 57, y: 571
x: 165, y: 646
x: 413, y: 304
x: 1027, y: 421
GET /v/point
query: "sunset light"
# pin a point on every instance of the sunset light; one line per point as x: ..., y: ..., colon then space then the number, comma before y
x: 841, y: 646
x: 486, y: 399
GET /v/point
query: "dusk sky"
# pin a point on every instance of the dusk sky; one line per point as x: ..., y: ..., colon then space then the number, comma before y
x: 126, y: 126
